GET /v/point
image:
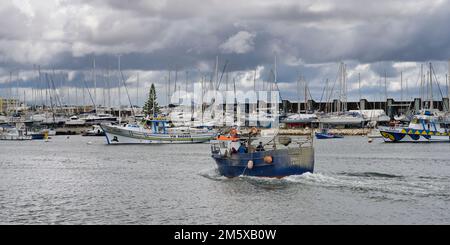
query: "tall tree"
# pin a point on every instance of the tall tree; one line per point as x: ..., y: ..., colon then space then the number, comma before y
x: 151, y: 106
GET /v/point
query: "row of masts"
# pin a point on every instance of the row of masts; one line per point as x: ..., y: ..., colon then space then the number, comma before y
x: 330, y: 91
x: 52, y: 87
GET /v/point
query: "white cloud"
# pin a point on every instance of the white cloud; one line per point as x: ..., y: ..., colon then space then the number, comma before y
x: 240, y: 43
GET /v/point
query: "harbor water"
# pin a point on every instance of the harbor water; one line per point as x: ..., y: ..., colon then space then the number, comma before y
x: 81, y: 180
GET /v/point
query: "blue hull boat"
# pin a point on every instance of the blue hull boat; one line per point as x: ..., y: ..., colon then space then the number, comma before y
x: 38, y: 136
x: 274, y: 163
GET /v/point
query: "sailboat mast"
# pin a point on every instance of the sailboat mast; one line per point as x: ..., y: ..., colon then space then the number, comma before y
x: 359, y: 86
x: 109, y: 85
x: 298, y: 94
x: 17, y: 93
x: 306, y: 95
x: 431, y: 88
x: 216, y: 75
x: 137, y: 89
x: 118, y: 88
x: 401, y: 86
x: 447, y: 80
x: 10, y: 92
x: 385, y: 90
x: 275, y: 70
x: 95, y: 87
x: 345, y: 87
x: 421, y: 87
x: 168, y: 90
x: 254, y: 81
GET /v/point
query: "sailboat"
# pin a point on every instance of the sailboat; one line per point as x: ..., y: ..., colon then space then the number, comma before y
x: 341, y: 116
x: 301, y: 118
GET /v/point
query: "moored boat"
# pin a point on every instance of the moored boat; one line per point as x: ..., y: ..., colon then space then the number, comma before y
x: 13, y: 133
x: 325, y: 134
x: 155, y: 131
x: 95, y: 131
x: 428, y: 126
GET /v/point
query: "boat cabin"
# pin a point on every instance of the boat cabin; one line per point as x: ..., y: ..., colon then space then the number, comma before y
x: 428, y: 121
x: 157, y: 126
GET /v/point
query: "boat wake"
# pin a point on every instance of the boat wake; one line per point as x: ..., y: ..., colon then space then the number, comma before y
x: 372, y: 175
x: 212, y: 174
x: 375, y: 185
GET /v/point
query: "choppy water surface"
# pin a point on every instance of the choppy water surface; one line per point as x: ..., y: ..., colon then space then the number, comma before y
x: 69, y: 181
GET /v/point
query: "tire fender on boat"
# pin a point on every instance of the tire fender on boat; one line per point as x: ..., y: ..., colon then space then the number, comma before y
x: 250, y: 164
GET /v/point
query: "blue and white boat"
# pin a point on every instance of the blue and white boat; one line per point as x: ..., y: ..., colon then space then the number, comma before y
x: 155, y: 131
x: 282, y: 159
x: 324, y: 134
x: 428, y: 126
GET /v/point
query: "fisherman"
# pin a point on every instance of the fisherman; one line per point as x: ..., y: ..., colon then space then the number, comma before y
x: 242, y: 149
x: 260, y: 147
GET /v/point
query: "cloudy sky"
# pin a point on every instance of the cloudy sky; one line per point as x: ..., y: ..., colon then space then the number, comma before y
x: 308, y: 37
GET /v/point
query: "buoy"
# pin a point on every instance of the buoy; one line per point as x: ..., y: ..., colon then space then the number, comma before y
x: 268, y: 159
x: 370, y: 140
x: 89, y: 143
x: 254, y: 131
x: 250, y: 164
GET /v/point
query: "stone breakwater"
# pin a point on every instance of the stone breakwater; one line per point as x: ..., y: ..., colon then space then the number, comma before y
x: 361, y: 131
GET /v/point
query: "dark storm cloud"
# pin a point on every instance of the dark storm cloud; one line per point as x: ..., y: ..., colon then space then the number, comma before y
x: 180, y: 35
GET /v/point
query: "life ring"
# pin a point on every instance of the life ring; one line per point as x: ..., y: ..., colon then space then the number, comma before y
x: 268, y: 159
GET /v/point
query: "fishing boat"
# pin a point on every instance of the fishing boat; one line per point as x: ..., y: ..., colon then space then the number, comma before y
x: 280, y: 157
x: 427, y: 126
x: 325, y: 134
x: 155, y: 131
